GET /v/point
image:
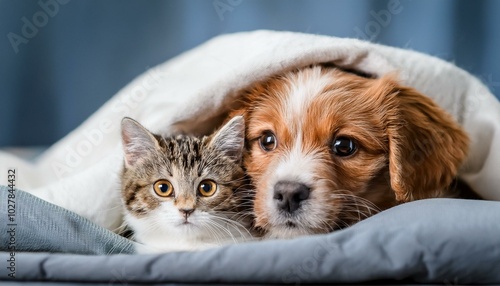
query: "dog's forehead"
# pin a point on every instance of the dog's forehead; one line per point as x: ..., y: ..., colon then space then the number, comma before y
x: 301, y: 89
x: 322, y: 92
x: 324, y: 96
x: 314, y: 104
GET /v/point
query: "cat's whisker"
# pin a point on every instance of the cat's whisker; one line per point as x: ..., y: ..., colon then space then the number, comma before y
x: 213, y: 227
x: 236, y: 225
x: 240, y: 179
x: 239, y: 227
x: 223, y: 229
x: 211, y: 231
x: 237, y: 216
x: 216, y: 223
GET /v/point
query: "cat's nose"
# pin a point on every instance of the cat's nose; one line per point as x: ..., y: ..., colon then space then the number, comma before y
x: 289, y: 195
x: 186, y: 212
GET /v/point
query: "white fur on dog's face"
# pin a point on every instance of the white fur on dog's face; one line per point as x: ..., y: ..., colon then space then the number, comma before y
x: 307, y: 112
x: 295, y: 166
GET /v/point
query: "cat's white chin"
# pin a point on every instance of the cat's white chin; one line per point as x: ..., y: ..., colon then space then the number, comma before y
x: 180, y: 236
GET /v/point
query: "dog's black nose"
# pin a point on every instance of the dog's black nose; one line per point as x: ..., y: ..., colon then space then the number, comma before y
x: 288, y: 195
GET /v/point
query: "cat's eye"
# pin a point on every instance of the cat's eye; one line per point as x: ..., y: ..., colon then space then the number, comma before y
x: 344, y: 146
x: 268, y: 141
x: 207, y: 188
x: 163, y: 188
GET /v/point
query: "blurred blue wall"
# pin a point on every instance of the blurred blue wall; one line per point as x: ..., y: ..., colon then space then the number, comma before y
x: 85, y: 51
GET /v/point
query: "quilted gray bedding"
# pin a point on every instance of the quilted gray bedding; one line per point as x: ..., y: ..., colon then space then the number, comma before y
x: 429, y: 241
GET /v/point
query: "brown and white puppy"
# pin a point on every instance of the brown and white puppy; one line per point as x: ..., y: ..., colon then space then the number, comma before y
x: 327, y: 148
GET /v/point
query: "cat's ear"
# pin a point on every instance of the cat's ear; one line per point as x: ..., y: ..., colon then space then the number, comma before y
x: 230, y: 138
x: 137, y: 141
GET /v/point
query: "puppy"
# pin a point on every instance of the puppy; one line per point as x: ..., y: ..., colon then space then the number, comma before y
x: 327, y: 148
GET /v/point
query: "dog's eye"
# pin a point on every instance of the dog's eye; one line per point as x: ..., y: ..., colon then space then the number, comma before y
x: 268, y: 141
x: 343, y: 146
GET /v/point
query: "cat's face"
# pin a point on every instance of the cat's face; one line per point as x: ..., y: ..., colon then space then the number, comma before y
x: 183, y: 187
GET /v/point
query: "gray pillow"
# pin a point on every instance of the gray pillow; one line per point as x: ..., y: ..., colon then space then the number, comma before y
x: 429, y: 241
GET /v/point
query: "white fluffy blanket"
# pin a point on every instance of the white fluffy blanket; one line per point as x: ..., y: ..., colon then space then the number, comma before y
x: 192, y: 92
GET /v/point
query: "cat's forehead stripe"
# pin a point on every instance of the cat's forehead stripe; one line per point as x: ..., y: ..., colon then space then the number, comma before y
x: 183, y: 150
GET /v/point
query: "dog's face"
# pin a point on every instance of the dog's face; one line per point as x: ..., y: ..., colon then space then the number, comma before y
x: 327, y: 148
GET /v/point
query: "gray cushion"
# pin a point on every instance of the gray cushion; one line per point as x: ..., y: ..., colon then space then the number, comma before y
x: 429, y: 241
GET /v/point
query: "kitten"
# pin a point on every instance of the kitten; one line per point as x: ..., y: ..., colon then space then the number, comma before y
x: 184, y: 192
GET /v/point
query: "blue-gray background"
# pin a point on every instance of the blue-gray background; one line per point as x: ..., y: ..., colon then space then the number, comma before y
x: 85, y: 51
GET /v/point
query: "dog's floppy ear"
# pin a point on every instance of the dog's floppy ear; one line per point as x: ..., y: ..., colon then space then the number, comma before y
x: 426, y: 145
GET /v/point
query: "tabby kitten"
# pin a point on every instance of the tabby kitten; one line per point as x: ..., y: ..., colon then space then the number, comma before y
x: 184, y: 192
